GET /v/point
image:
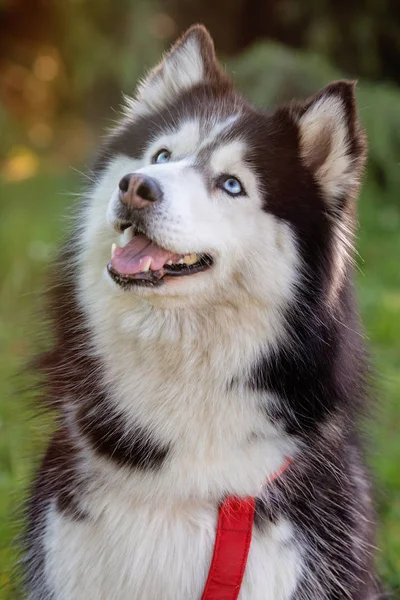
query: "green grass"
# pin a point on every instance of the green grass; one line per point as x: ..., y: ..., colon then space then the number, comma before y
x: 31, y: 227
x: 379, y: 294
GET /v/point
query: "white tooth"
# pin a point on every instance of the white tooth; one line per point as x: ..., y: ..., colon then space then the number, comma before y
x: 126, y: 237
x: 169, y: 262
x: 180, y: 261
x: 113, y: 246
x: 186, y: 258
x: 146, y: 265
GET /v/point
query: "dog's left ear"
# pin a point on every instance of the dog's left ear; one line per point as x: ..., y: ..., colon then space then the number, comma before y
x: 191, y: 61
x: 332, y: 142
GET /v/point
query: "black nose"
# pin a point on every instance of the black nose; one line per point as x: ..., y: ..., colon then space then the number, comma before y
x: 138, y: 191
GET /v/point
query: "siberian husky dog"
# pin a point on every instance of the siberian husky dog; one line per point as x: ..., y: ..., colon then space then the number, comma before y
x: 219, y: 339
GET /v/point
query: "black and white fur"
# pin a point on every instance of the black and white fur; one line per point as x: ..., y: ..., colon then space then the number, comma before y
x: 170, y: 397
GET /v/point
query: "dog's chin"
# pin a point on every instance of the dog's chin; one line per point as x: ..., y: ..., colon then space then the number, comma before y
x: 169, y: 291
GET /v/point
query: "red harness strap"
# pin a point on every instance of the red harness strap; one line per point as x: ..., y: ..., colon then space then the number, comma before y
x: 232, y: 545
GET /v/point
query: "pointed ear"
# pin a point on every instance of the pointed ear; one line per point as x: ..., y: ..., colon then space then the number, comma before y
x: 332, y: 143
x: 190, y: 61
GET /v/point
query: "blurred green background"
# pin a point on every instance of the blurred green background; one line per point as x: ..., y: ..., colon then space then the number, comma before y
x: 63, y: 66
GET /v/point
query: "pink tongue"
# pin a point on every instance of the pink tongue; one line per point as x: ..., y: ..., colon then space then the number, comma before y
x: 131, y: 258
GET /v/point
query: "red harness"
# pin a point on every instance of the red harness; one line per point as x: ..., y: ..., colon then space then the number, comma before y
x: 232, y: 545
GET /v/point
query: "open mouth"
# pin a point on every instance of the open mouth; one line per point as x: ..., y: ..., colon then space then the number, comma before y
x: 140, y: 261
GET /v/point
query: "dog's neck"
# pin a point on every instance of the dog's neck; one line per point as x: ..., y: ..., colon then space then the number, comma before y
x: 182, y: 377
x: 217, y: 343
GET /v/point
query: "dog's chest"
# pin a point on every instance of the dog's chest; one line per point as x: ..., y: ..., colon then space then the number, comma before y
x: 159, y: 554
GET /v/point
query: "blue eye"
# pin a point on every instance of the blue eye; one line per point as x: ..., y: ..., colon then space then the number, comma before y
x: 162, y: 156
x: 232, y: 186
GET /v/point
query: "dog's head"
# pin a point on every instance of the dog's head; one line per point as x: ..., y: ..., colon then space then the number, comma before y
x: 206, y: 199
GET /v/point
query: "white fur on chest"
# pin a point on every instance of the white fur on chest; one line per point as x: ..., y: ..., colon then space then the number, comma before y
x: 159, y: 553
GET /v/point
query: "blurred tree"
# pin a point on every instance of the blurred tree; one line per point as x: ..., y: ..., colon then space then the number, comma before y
x: 361, y: 37
x: 63, y: 63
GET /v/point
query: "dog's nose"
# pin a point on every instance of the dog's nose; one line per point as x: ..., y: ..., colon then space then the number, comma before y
x: 138, y: 191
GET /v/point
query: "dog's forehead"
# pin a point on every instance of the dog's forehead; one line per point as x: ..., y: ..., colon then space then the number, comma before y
x: 195, y: 126
x: 206, y: 140
x: 204, y: 130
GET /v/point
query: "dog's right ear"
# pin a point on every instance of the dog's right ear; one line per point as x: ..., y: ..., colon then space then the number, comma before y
x: 191, y: 61
x: 331, y: 141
